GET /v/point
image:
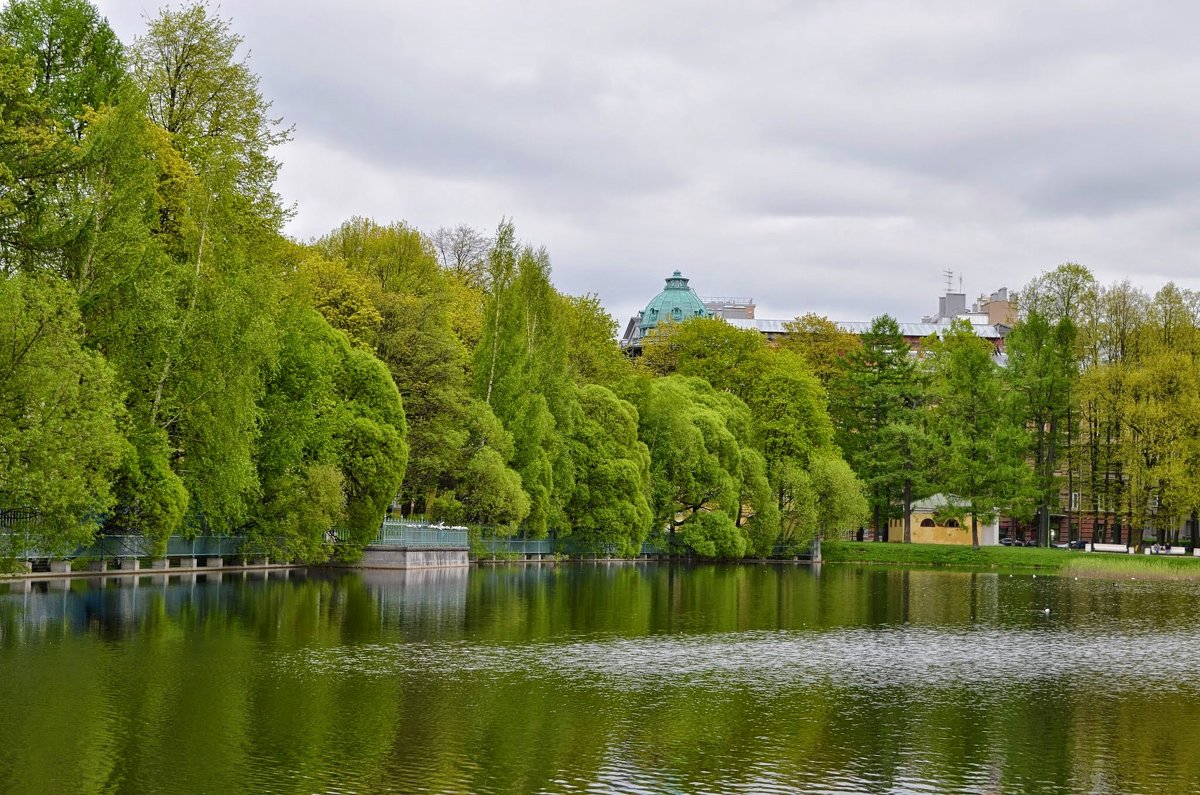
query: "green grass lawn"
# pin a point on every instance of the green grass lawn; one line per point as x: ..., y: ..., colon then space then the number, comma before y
x: 1064, y: 561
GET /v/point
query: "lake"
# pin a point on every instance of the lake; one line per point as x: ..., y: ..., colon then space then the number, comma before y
x: 616, y: 677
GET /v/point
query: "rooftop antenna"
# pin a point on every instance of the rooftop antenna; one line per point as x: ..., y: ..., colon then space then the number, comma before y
x: 949, y: 274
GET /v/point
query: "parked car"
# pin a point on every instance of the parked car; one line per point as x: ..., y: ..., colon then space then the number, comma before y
x: 1076, y: 544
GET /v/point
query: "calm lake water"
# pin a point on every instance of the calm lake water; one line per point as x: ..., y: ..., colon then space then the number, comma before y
x: 601, y: 678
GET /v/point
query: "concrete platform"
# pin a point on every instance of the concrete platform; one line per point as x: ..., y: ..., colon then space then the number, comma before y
x: 378, y: 557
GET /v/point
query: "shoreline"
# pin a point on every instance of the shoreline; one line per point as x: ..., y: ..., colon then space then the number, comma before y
x: 20, y: 576
x: 1065, y: 562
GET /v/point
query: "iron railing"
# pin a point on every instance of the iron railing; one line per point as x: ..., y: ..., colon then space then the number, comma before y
x: 21, y: 546
x: 396, y: 533
x: 405, y: 534
x: 414, y: 535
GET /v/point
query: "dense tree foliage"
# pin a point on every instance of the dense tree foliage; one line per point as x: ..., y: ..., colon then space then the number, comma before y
x: 78, y: 62
x: 788, y: 425
x: 878, y: 399
x: 822, y: 343
x: 982, y: 451
x: 59, y: 413
x: 197, y: 389
x: 170, y: 363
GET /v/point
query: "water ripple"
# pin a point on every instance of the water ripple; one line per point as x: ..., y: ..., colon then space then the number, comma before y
x: 860, y: 657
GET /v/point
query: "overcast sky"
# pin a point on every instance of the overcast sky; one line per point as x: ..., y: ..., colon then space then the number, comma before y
x: 823, y: 156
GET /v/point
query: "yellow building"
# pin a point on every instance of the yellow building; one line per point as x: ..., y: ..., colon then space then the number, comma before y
x: 932, y: 525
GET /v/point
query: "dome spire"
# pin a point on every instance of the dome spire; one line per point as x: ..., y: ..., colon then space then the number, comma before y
x: 677, y: 281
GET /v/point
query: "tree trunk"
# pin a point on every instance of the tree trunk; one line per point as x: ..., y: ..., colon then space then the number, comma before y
x: 430, y: 497
x: 974, y: 531
x: 183, y: 324
x: 1051, y: 459
x: 1070, y: 467
x: 908, y: 511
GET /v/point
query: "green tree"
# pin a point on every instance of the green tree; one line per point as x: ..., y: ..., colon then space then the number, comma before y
x: 1061, y: 293
x: 1152, y: 394
x: 838, y: 496
x: 383, y: 282
x: 396, y: 257
x: 609, y: 508
x: 789, y: 418
x: 59, y: 414
x: 1065, y: 295
x: 129, y: 289
x: 370, y: 440
x: 36, y: 158
x: 1042, y: 372
x: 880, y: 422
x: 729, y: 358
x: 302, y: 485
x: 493, y: 493
x: 822, y: 344
x: 79, y: 63
x: 87, y: 215
x: 1112, y: 342
x: 982, y: 455
x: 708, y: 482
x: 219, y: 226
x: 521, y: 372
x: 210, y: 103
x: 343, y: 296
x: 592, y: 353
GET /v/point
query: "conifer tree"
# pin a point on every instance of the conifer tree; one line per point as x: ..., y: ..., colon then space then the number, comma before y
x: 981, y: 449
x: 878, y: 411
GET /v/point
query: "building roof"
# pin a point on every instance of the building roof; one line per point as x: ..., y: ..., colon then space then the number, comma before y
x: 676, y: 303
x: 937, y: 502
x: 861, y: 327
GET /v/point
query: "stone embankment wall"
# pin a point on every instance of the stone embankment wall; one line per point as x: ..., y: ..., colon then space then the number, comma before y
x: 382, y: 558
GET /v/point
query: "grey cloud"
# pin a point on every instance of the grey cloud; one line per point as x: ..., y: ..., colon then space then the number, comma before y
x: 834, y: 156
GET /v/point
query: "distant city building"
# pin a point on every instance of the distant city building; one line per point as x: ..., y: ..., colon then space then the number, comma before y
x: 992, y: 310
x: 991, y: 317
x: 731, y: 308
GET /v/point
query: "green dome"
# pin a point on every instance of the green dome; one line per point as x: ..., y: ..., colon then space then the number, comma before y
x: 675, y: 304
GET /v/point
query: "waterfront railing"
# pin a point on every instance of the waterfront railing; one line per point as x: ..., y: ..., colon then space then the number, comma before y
x: 16, y: 541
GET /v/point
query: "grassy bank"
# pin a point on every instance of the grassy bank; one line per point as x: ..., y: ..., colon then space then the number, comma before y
x: 1062, y: 561
x: 1143, y: 567
x: 943, y: 555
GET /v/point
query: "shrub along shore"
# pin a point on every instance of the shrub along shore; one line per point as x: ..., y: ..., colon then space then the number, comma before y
x: 1057, y: 561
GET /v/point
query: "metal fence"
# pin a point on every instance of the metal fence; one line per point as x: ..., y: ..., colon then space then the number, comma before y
x: 405, y: 534
x: 14, y: 517
x: 15, y: 541
x: 414, y: 535
x: 21, y: 546
x: 204, y: 546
